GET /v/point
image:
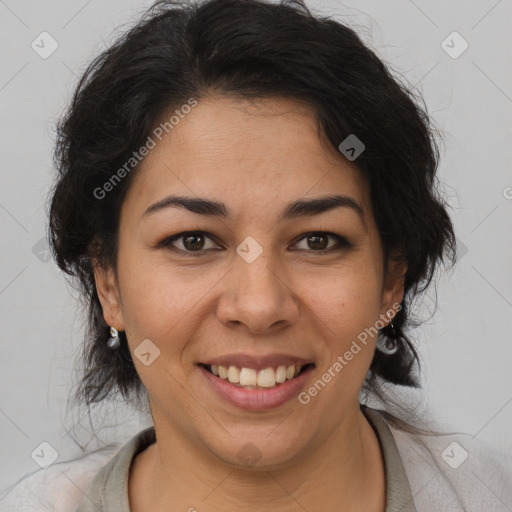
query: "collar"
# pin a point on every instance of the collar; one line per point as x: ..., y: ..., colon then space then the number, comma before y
x: 109, y: 489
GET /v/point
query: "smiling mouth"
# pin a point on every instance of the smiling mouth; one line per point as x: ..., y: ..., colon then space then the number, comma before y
x: 249, y: 378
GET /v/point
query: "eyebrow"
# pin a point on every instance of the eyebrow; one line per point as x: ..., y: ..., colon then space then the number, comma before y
x: 300, y: 208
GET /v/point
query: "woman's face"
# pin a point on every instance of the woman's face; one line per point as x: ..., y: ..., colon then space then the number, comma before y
x: 253, y: 288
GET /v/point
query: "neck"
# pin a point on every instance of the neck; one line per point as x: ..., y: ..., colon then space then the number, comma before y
x: 345, y: 472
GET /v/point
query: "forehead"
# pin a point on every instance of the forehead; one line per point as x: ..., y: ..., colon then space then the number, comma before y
x: 262, y: 152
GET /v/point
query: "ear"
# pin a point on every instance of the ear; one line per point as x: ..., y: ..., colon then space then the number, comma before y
x: 393, y: 285
x: 108, y: 293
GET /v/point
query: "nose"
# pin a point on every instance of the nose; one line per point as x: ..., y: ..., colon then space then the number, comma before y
x: 258, y: 296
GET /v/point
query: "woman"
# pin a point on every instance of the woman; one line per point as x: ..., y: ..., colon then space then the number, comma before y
x: 248, y: 200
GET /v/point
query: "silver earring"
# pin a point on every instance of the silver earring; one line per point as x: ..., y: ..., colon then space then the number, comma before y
x: 388, y: 346
x: 113, y: 342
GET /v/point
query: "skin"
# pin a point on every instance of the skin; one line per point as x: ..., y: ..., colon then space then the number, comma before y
x: 255, y: 157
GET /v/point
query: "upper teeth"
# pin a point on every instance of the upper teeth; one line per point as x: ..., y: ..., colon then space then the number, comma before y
x: 266, y: 378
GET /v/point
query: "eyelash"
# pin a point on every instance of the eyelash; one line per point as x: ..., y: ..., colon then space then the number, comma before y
x: 342, y: 242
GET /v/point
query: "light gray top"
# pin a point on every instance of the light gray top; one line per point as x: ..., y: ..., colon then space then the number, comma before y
x: 448, y: 473
x: 108, y: 491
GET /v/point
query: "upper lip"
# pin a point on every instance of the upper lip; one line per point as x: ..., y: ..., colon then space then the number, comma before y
x: 257, y: 362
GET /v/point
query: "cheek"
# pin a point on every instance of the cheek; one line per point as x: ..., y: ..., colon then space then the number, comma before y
x: 348, y: 296
x: 346, y: 324
x: 161, y: 302
x: 344, y: 309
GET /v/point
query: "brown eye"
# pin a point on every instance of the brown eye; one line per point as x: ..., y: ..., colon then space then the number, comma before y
x: 319, y: 242
x: 191, y: 243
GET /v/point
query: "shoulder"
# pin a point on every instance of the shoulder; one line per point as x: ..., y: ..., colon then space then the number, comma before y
x: 455, y: 472
x: 58, y: 488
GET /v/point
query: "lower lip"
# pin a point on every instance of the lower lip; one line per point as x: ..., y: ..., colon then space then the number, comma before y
x: 257, y: 399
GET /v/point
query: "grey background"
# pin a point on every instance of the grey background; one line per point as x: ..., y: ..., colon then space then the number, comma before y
x: 465, y: 345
